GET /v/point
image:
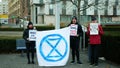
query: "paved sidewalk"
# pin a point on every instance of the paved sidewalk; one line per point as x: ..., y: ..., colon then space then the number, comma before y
x: 17, y: 61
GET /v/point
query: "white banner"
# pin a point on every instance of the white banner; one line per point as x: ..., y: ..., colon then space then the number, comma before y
x: 93, y: 28
x: 53, y: 47
x: 32, y: 35
x: 73, y: 30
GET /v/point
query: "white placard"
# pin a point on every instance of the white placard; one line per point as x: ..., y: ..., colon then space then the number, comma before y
x: 93, y: 28
x: 32, y: 35
x: 73, y: 30
x: 53, y: 47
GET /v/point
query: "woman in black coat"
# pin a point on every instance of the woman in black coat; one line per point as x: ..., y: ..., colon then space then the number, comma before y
x: 30, y: 45
x: 75, y: 39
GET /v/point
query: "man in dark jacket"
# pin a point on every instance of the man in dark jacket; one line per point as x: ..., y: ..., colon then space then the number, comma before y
x: 75, y: 33
x: 30, y: 45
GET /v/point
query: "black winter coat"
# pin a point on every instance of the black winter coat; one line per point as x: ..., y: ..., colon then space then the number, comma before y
x: 26, y: 35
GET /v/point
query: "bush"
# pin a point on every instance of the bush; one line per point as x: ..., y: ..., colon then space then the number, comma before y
x: 41, y: 28
x: 110, y: 48
x: 11, y: 29
x: 111, y: 28
x: 7, y: 45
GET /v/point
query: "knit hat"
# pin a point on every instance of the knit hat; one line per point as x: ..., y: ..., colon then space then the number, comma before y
x: 30, y: 23
x: 74, y: 17
x: 93, y: 18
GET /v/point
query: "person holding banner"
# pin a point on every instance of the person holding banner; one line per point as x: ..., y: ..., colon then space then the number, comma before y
x: 94, y: 31
x: 30, y: 45
x: 75, y: 33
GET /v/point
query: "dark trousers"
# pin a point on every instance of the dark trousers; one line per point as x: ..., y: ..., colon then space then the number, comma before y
x: 93, y: 54
x: 30, y: 47
x: 74, y: 44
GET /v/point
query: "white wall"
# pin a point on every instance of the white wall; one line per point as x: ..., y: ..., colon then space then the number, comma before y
x: 110, y: 10
x: 48, y: 19
x: 46, y: 9
x: 35, y: 1
x: 118, y: 10
x: 40, y: 20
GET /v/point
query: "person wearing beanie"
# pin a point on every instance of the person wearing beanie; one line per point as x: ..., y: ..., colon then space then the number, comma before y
x: 30, y: 45
x: 94, y: 41
x: 75, y: 33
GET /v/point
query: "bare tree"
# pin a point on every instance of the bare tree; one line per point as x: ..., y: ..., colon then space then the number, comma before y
x: 81, y: 7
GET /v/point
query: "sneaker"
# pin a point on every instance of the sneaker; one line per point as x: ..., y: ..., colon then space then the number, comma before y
x: 96, y: 64
x: 79, y: 62
x: 28, y: 62
x: 91, y: 63
x: 72, y: 62
x: 33, y: 62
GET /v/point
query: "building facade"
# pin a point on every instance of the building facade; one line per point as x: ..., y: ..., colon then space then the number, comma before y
x: 14, y: 10
x: 4, y: 12
x: 43, y: 11
x: 25, y: 9
x: 18, y: 9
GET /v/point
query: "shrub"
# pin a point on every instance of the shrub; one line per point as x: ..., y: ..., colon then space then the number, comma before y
x: 7, y: 45
x: 111, y: 48
x: 41, y: 28
x: 11, y: 29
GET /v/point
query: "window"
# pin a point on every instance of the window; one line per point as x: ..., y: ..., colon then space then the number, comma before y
x: 52, y: 1
x: 74, y: 12
x: 114, y: 10
x: 64, y: 8
x: 106, y: 11
x: 116, y: 2
x: 41, y: 2
x: 51, y: 10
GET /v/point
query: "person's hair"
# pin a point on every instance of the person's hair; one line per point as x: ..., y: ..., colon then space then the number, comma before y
x: 93, y: 19
x: 74, y: 17
x: 30, y: 23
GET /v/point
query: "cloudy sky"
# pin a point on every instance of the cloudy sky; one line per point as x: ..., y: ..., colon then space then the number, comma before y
x: 0, y: 0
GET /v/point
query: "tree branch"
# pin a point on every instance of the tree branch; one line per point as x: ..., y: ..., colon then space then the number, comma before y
x: 96, y: 5
x: 74, y: 3
x: 86, y: 7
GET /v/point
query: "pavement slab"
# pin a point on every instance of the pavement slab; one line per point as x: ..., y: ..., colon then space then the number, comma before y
x: 18, y: 61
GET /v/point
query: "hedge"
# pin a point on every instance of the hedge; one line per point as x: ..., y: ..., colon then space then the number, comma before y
x: 110, y: 48
x: 40, y: 28
x: 7, y: 45
x: 11, y: 29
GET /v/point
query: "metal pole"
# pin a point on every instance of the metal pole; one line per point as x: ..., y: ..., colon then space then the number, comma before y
x: 99, y: 16
x: 83, y: 38
x: 34, y: 14
x: 57, y: 15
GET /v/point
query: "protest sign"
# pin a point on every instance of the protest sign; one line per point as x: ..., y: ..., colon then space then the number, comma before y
x: 93, y: 28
